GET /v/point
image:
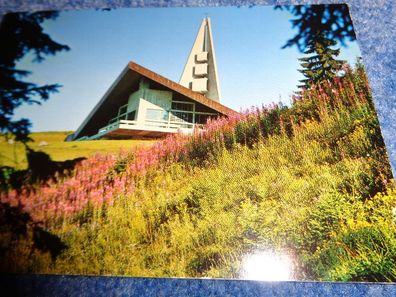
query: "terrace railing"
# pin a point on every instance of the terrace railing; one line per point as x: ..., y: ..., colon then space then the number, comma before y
x: 150, y: 123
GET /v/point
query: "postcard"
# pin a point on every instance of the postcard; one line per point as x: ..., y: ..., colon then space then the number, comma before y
x: 227, y: 142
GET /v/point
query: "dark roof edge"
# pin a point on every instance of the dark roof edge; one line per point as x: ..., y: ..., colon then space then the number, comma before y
x: 96, y: 107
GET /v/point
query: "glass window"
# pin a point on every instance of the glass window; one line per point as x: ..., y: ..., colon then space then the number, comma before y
x: 201, y: 118
x: 156, y: 114
x: 181, y: 117
x: 131, y: 115
x: 183, y: 106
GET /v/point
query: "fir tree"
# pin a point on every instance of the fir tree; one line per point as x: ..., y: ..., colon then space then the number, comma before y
x: 321, y: 64
x: 20, y: 34
x: 309, y: 20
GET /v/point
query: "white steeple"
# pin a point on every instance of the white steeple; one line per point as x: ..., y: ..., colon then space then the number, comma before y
x: 200, y: 71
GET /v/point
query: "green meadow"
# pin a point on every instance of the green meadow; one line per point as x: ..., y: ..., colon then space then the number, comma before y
x: 311, y: 181
x: 53, y: 143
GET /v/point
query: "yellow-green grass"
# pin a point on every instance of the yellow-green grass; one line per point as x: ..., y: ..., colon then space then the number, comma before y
x: 54, y: 144
x: 318, y: 190
x: 305, y: 195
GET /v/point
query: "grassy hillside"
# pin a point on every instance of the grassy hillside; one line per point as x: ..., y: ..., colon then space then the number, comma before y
x: 52, y: 143
x: 311, y: 181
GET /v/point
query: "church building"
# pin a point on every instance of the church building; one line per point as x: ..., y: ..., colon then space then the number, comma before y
x: 144, y: 104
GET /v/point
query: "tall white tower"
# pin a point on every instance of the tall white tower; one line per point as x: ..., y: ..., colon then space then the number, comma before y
x: 200, y: 71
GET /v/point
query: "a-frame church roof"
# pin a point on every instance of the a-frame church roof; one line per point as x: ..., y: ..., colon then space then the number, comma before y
x: 128, y: 82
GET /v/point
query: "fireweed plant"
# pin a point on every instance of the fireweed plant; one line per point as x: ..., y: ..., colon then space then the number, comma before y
x: 311, y: 178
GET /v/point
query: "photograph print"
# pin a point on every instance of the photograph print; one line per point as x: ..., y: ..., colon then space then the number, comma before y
x: 227, y: 142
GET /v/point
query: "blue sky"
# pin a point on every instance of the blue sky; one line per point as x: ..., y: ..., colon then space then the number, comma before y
x: 252, y: 67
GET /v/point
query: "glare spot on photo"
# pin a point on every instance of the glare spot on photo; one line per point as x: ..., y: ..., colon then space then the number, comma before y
x: 267, y: 266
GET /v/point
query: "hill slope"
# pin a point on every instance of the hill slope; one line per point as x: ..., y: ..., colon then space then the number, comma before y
x: 311, y: 182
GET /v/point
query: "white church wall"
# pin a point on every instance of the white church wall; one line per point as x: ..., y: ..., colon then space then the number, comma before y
x: 158, y: 97
x: 145, y: 107
x: 148, y: 99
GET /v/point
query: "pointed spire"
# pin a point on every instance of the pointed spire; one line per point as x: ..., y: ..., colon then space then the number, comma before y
x: 200, y: 71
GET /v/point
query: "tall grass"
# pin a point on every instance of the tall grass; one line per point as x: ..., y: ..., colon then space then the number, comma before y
x: 312, y: 180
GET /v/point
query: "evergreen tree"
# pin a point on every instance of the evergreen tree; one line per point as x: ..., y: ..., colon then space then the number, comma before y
x: 21, y: 33
x: 321, y: 64
x: 332, y: 20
